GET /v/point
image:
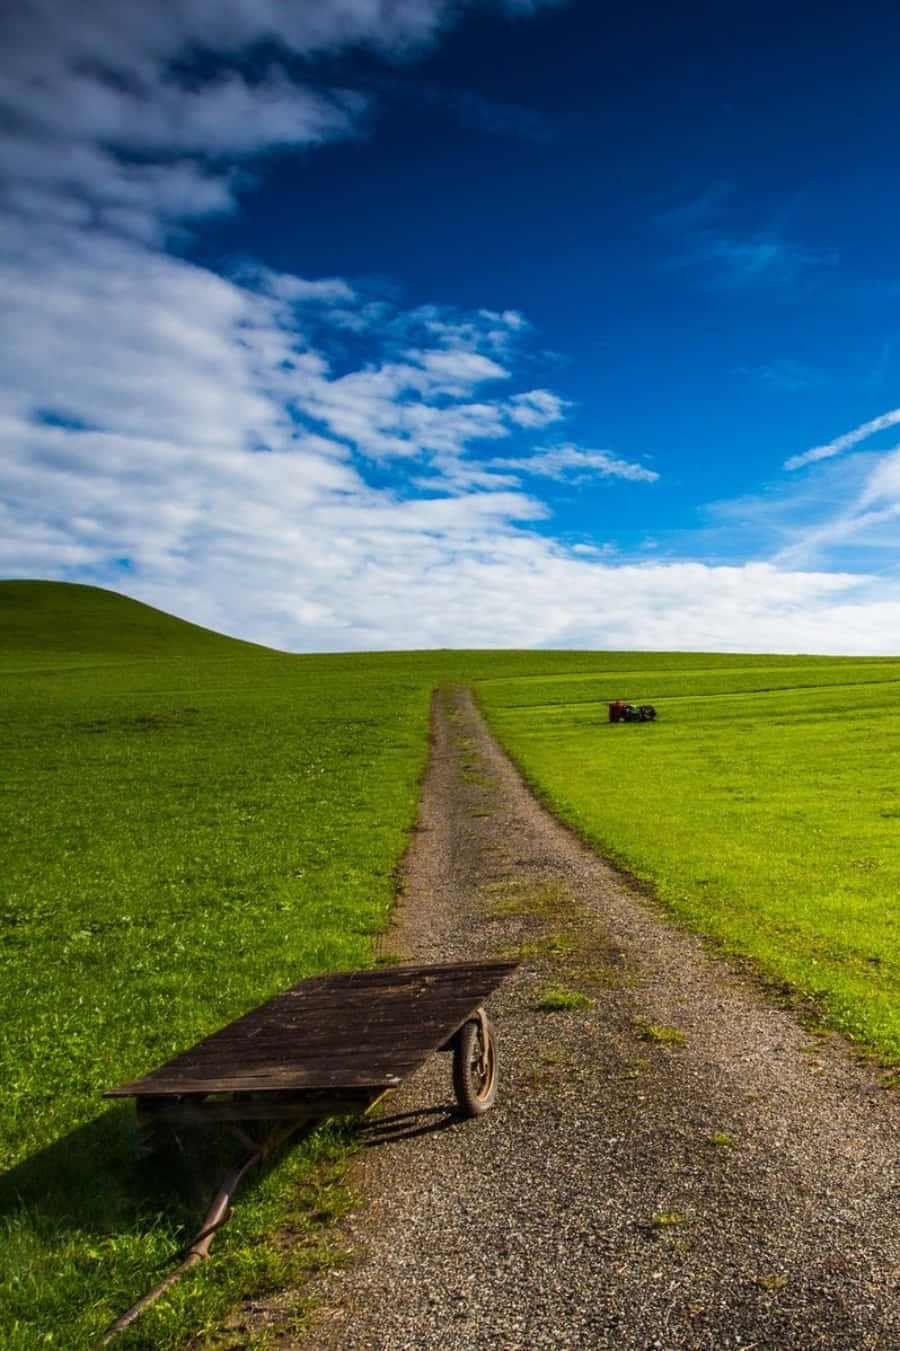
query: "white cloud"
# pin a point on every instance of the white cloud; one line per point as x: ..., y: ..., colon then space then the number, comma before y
x: 843, y: 513
x: 402, y: 409
x: 299, y: 290
x: 845, y: 442
x: 81, y: 87
x: 129, y: 36
x: 537, y: 408
x: 225, y: 116
x: 457, y: 371
x: 577, y: 463
x: 855, y: 517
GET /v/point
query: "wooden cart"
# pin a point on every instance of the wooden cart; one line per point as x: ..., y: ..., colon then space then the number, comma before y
x: 330, y: 1046
x: 333, y: 1045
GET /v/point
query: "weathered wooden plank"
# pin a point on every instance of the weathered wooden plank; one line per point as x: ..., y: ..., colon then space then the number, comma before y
x: 349, y: 1029
x: 269, y: 1078
x: 317, y: 1047
x: 322, y: 988
x: 410, y: 980
x: 329, y: 1003
x: 324, y: 1070
x: 340, y: 1025
x: 400, y: 1028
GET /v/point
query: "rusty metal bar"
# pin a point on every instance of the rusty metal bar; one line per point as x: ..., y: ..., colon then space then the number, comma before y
x: 218, y: 1214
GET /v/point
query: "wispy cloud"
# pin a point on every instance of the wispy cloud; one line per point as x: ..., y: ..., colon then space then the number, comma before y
x: 842, y: 514
x: 575, y: 464
x: 795, y: 377
x: 695, y: 211
x: 857, y: 372
x: 845, y: 442
x: 859, y: 526
x: 712, y: 241
x: 739, y: 260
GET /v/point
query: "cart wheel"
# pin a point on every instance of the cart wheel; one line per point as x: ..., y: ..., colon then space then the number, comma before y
x: 475, y: 1066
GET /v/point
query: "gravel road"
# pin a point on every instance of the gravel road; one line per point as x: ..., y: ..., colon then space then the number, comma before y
x: 679, y: 1165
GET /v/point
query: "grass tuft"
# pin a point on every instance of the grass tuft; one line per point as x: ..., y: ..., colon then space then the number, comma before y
x: 556, y: 1000
x: 663, y: 1036
x: 667, y: 1219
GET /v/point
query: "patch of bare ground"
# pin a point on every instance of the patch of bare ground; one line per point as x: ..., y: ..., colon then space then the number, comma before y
x: 674, y: 1161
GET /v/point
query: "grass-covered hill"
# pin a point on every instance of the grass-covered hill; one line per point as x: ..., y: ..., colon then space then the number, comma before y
x: 64, y: 619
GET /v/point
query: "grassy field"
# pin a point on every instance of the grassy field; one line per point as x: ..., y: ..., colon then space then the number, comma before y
x: 191, y: 824
x: 763, y: 807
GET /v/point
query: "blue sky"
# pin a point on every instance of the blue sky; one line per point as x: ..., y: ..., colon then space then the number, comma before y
x: 409, y: 323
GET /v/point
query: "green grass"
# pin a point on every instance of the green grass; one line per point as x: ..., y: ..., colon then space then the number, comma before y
x: 665, y: 1219
x: 556, y: 1000
x: 661, y: 1034
x: 762, y: 806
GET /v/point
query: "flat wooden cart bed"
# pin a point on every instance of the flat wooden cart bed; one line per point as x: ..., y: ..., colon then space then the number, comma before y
x: 330, y: 1046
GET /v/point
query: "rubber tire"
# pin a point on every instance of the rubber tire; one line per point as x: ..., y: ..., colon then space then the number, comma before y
x: 474, y: 1098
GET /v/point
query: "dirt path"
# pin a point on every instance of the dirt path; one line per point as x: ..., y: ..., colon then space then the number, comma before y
x: 680, y: 1165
